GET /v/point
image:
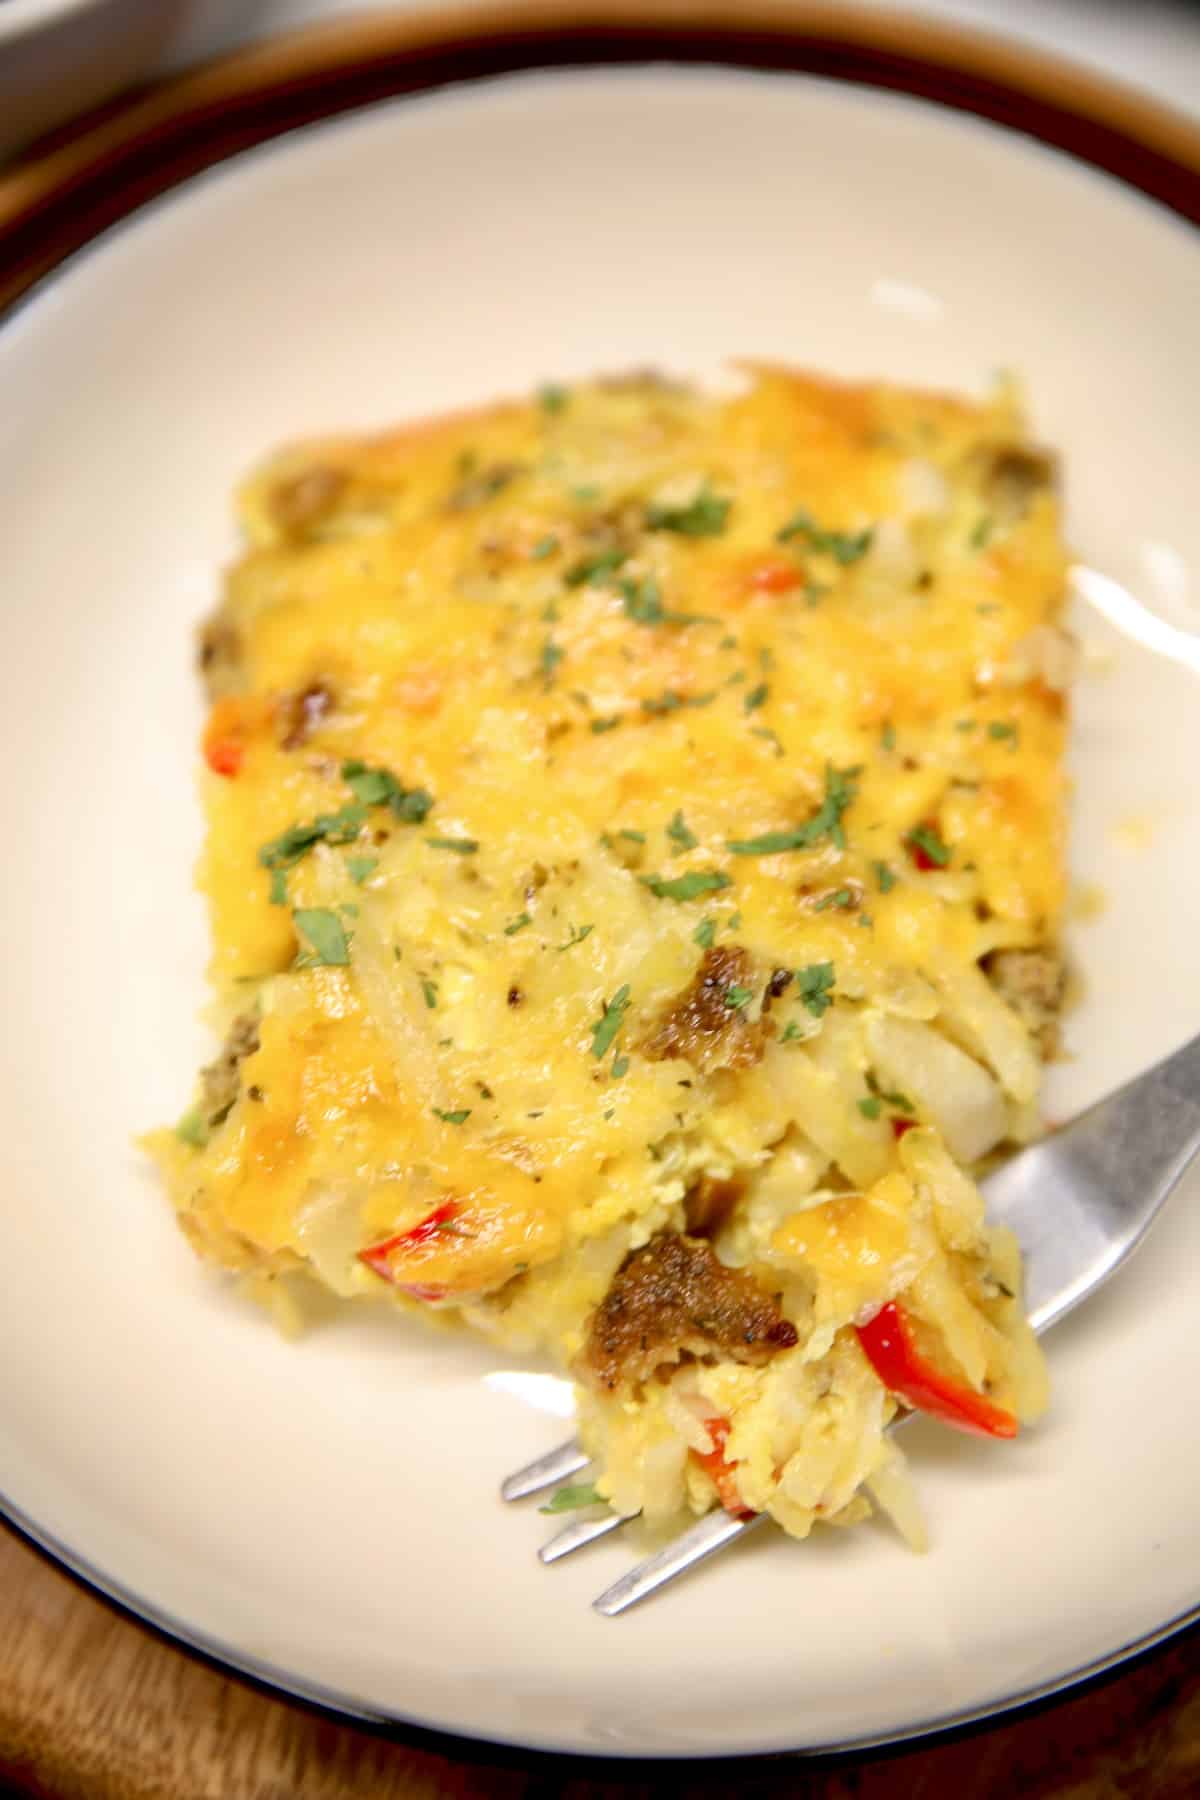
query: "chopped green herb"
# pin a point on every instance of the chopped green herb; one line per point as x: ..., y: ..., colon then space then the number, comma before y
x: 429, y: 989
x: 595, y: 568
x: 620, y: 1067
x: 1002, y: 729
x: 965, y: 724
x: 379, y: 787
x: 326, y: 935
x: 543, y: 548
x: 734, y: 921
x: 728, y: 643
x: 929, y: 842
x: 772, y: 737
x: 704, y: 516
x: 887, y: 737
x: 865, y: 920
x: 461, y: 846
x: 635, y: 837
x: 981, y: 533
x: 602, y: 725
x: 643, y: 604
x: 884, y: 876
x: 570, y: 1499
x: 844, y: 547
x: 843, y: 897
x: 790, y: 1032
x: 552, y: 655
x: 870, y: 1106
x: 577, y: 935
x: 359, y: 867
x: 704, y: 933
x: 609, y: 1023
x: 679, y: 833
x: 285, y: 851
x: 671, y: 702
x: 552, y: 398
x: 738, y: 997
x: 686, y: 887
x: 456, y: 1117
x: 517, y: 924
x: 814, y: 985
x: 278, y: 892
x: 192, y: 1128
x: 840, y: 789
x: 755, y: 698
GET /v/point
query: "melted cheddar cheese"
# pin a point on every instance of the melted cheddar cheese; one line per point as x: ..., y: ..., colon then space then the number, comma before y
x: 518, y: 721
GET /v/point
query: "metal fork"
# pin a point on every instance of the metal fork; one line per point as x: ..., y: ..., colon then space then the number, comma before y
x: 1080, y: 1202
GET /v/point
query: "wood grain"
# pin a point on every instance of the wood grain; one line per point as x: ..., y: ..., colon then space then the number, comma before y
x: 94, y: 1707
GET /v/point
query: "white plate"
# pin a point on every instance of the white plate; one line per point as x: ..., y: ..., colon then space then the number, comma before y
x: 327, y: 1512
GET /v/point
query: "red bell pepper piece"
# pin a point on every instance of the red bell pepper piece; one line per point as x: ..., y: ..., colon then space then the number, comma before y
x: 225, y: 756
x: 715, y: 1466
x: 892, y: 1352
x: 900, y: 1126
x: 379, y: 1256
x: 776, y: 577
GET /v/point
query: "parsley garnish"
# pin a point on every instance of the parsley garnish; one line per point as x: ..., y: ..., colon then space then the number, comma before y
x: 840, y: 789
x: 552, y: 655
x: 738, y: 996
x: 379, y: 787
x: 461, y: 846
x: 543, y: 548
x: 577, y: 935
x: 843, y: 897
x: 870, y: 1106
x: 704, y: 933
x: 601, y: 725
x: 814, y: 985
x: 620, y: 1066
x: 325, y: 933
x: 609, y: 1023
x: 704, y: 516
x: 679, y: 834
x: 285, y: 851
x: 686, y: 887
x: 192, y: 1128
x: 552, y: 398
x: 884, y: 877
x: 981, y: 533
x: 900, y: 1101
x: 569, y: 1499
x: 845, y: 547
x: 791, y: 1032
x: 754, y: 699
x: 635, y: 837
x: 595, y: 568
x: 517, y: 924
x: 964, y: 724
x: 887, y: 736
x: 928, y: 840
x: 644, y: 605
x: 452, y: 1118
x: 1002, y: 729
x: 429, y: 989
x: 359, y: 867
x: 671, y: 702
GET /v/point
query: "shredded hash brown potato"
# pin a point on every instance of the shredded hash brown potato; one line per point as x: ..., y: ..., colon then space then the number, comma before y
x: 635, y: 861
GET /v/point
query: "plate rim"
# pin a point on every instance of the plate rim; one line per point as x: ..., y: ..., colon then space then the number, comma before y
x: 324, y: 66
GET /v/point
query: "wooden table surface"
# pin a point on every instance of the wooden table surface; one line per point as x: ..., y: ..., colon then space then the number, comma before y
x: 94, y: 1707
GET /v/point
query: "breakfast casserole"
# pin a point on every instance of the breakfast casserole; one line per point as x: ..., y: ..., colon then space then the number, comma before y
x: 635, y: 859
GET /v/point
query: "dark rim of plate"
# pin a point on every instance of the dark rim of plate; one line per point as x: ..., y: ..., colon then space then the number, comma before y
x: 77, y: 185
